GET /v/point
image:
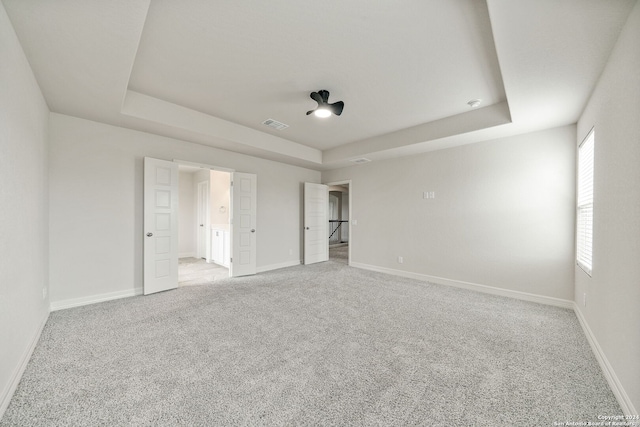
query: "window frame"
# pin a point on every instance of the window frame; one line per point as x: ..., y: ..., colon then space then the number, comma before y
x: 585, y: 202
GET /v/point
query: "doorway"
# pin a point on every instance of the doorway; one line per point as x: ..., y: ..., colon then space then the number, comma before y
x: 204, y: 225
x: 339, y: 213
x: 235, y: 248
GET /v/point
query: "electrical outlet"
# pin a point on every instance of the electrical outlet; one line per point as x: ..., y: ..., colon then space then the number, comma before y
x: 584, y: 299
x: 400, y: 260
x: 354, y: 222
x: 429, y: 195
x: 44, y: 293
x: 290, y: 251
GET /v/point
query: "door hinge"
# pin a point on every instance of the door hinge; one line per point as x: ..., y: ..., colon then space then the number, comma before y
x: 232, y: 183
x: 230, y: 259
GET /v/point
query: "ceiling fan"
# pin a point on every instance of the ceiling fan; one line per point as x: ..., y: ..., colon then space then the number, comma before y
x: 324, y: 108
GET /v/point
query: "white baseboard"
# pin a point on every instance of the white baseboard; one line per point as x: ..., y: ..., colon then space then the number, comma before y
x: 10, y: 388
x: 77, y: 302
x: 277, y: 266
x: 187, y: 255
x: 558, y: 302
x: 614, y: 383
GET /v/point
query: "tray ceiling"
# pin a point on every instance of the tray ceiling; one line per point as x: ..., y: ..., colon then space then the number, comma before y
x: 212, y: 72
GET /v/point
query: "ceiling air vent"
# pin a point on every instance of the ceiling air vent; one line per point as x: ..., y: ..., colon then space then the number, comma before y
x: 360, y: 160
x: 275, y: 124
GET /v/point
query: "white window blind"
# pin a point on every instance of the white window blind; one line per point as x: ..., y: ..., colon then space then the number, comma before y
x: 585, y: 203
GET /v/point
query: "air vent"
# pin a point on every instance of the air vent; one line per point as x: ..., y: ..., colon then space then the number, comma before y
x: 360, y: 160
x: 275, y: 124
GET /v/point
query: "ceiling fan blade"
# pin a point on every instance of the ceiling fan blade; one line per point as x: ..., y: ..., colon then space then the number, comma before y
x: 337, y: 107
x: 322, y: 98
x: 324, y: 95
x: 316, y: 97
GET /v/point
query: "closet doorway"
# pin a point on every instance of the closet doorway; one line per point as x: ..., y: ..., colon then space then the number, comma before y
x: 204, y: 225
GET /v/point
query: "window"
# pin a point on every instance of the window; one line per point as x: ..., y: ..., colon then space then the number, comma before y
x: 585, y: 203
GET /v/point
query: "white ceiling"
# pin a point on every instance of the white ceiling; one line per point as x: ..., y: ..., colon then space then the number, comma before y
x: 211, y: 71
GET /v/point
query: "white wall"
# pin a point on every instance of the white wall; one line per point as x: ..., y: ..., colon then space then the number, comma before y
x: 344, y: 228
x: 201, y: 176
x: 220, y: 188
x: 96, y: 205
x: 23, y: 210
x: 187, y: 215
x: 612, y: 312
x: 502, y: 216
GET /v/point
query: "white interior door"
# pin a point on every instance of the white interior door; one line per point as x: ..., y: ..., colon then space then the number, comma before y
x: 243, y: 224
x: 316, y: 237
x: 160, y: 225
x: 203, y: 221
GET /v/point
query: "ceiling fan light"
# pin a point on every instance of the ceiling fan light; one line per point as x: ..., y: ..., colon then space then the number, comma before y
x: 322, y: 112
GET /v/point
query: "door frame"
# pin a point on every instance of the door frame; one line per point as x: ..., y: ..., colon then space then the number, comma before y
x: 208, y: 221
x: 350, y: 234
x: 203, y: 206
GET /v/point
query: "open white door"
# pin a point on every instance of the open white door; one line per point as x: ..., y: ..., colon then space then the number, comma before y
x: 243, y: 224
x: 160, y: 225
x: 204, y: 233
x: 316, y: 237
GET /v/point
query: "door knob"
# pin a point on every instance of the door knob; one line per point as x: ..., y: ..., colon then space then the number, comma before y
x: 306, y: 228
x: 201, y: 225
x: 149, y: 234
x: 253, y: 230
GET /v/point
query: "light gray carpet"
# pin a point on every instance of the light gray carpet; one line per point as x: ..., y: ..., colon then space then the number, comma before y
x: 312, y: 345
x: 339, y: 254
x: 197, y: 271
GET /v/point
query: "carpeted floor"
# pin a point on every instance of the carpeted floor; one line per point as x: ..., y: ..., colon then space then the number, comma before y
x: 196, y: 271
x: 324, y: 344
x: 339, y: 254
